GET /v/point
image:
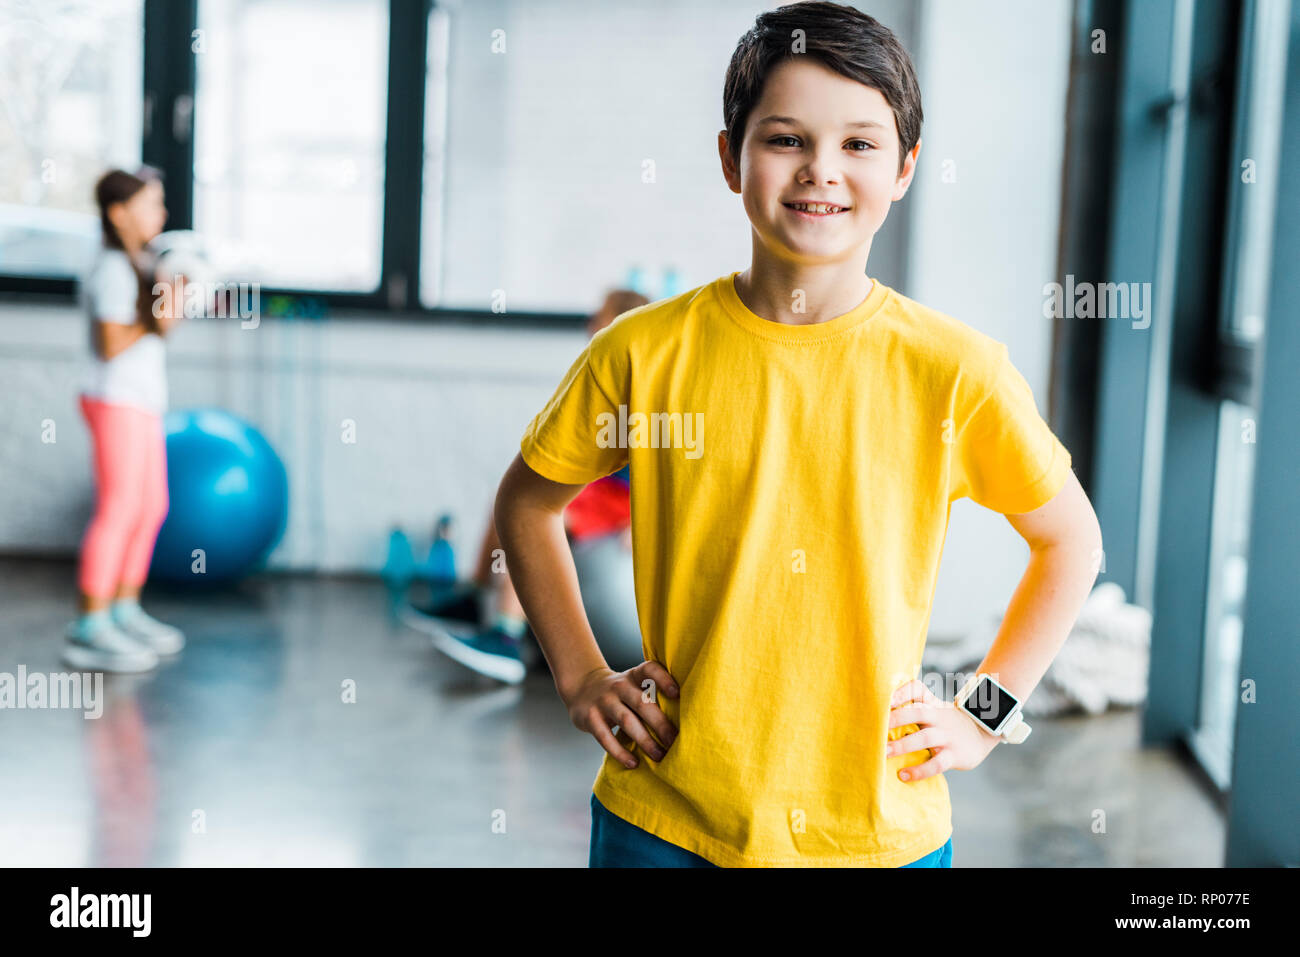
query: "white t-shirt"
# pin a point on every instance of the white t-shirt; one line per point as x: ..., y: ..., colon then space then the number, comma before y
x: 136, y: 376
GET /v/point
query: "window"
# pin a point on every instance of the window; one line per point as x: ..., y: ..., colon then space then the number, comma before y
x: 290, y: 113
x: 71, y: 75
x: 1251, y: 223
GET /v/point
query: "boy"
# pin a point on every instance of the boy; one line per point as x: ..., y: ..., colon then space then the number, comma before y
x: 796, y: 434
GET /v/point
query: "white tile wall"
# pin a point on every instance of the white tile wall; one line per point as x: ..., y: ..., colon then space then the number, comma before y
x: 439, y: 411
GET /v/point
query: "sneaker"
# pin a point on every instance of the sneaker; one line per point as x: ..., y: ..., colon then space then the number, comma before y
x: 106, y: 648
x: 489, y: 651
x: 459, y: 602
x: 162, y: 639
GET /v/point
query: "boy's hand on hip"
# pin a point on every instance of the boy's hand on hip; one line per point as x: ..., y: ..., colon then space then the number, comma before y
x: 952, y: 736
x: 606, y: 698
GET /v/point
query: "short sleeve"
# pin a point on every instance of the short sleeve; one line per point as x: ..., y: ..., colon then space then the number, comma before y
x: 114, y: 290
x: 575, y: 438
x: 1008, y: 459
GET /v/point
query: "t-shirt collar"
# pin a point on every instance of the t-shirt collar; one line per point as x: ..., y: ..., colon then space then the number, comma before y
x: 809, y: 332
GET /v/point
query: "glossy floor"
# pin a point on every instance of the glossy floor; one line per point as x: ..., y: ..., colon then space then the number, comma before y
x: 243, y: 751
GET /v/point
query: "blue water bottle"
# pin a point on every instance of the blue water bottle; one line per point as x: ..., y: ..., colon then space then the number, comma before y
x: 442, y: 557
x: 671, y: 283
x: 399, y: 567
x: 636, y: 280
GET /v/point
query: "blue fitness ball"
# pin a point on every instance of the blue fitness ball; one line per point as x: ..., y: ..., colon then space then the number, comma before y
x: 228, y: 499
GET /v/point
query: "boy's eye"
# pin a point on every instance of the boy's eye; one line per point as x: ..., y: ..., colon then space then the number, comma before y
x: 778, y: 141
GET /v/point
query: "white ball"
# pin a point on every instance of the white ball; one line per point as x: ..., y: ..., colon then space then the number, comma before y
x: 182, y: 253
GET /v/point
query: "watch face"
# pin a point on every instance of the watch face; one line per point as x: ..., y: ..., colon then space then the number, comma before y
x: 989, y: 704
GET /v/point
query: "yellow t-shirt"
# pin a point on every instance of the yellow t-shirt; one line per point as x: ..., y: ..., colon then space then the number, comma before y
x: 791, y: 488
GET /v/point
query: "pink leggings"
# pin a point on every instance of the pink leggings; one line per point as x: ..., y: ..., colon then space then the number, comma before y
x: 130, y: 496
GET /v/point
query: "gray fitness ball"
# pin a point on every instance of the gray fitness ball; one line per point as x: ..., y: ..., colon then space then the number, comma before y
x: 604, y: 569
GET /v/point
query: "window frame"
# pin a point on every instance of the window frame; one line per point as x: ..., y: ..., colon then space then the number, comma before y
x: 170, y: 74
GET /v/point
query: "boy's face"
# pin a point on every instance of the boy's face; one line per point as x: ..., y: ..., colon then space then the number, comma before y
x: 818, y: 155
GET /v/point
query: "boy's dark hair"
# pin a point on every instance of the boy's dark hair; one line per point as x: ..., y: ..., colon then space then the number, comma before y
x: 845, y: 40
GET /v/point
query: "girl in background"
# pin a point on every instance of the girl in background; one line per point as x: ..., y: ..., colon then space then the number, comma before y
x: 123, y: 402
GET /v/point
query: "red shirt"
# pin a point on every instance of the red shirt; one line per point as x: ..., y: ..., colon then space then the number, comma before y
x: 602, y: 507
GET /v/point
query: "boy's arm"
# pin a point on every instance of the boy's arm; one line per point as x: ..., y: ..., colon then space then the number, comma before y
x: 1065, y: 554
x: 529, y: 518
x: 1065, y: 544
x: 529, y: 515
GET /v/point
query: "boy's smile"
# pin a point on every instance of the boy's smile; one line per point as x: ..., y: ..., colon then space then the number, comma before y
x: 813, y: 211
x: 816, y: 137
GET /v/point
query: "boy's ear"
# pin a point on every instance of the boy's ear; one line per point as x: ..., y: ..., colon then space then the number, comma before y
x: 909, y: 170
x: 729, y: 171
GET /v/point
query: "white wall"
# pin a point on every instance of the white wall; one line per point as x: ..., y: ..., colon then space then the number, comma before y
x: 439, y: 412
x: 993, y: 82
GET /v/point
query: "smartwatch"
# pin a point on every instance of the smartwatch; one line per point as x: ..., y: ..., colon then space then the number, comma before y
x: 993, y: 708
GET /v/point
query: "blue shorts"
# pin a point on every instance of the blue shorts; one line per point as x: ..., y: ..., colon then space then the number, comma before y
x: 618, y: 843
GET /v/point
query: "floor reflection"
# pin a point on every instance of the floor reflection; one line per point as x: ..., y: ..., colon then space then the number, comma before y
x: 303, y: 725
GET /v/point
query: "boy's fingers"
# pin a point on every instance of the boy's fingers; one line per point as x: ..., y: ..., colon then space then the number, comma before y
x: 650, y: 713
x: 600, y: 731
x: 631, y: 725
x: 925, y: 769
x: 899, y: 716
x: 623, y: 738
x: 647, y: 707
x: 914, y: 690
x: 659, y: 675
x: 903, y: 694
x: 911, y: 714
x: 916, y: 741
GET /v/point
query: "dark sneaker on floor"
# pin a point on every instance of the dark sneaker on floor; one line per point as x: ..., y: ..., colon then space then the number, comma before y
x: 530, y: 652
x: 459, y: 602
x: 489, y: 651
